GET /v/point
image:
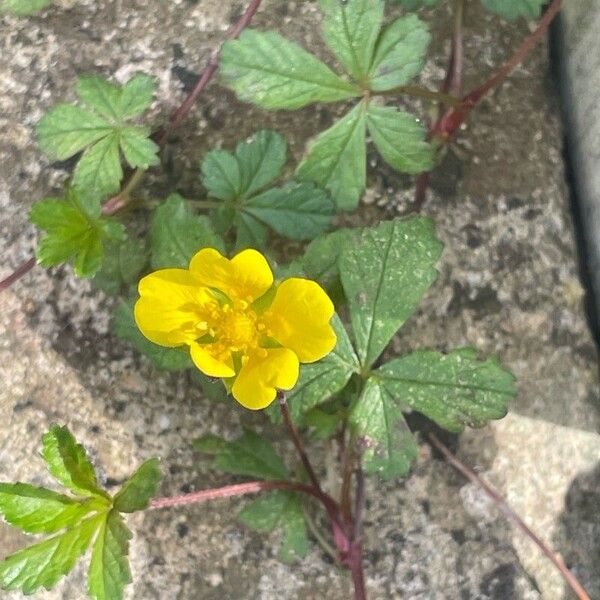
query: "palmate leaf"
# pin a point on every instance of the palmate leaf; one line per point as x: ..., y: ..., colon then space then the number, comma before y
x: 136, y: 492
x: 512, y: 9
x: 23, y: 8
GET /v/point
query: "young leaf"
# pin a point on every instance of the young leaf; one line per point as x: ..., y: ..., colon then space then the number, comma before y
x: 272, y: 72
x: 400, y: 53
x: 139, y: 489
x: 336, y: 159
x: 122, y: 264
x: 389, y: 445
x: 109, y: 567
x: 176, y: 234
x: 23, y: 8
x: 323, y: 424
x: 351, y: 28
x: 249, y: 455
x: 385, y: 272
x: 99, y: 169
x: 400, y: 139
x: 69, y: 464
x: 279, y: 509
x: 453, y: 389
x: 298, y: 211
x: 512, y: 9
x: 168, y: 359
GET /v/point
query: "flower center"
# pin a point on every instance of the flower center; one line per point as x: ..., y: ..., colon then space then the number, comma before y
x: 237, y: 329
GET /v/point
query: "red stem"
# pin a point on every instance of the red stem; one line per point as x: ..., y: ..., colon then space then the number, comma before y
x: 17, y: 274
x: 513, y: 516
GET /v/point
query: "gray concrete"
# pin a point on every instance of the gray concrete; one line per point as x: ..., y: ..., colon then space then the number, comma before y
x: 508, y: 285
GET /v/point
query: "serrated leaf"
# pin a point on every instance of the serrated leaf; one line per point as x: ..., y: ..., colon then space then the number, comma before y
x: 68, y: 462
x: 138, y: 149
x: 298, y: 211
x: 400, y: 53
x: 336, y: 159
x: 44, y: 563
x: 210, y: 444
x: 350, y: 29
x: 385, y: 273
x: 137, y: 95
x: 122, y: 263
x: 109, y: 567
x: 251, y: 233
x: 512, y: 9
x: 139, y: 489
x: 100, y: 95
x: 454, y: 390
x: 389, y: 446
x: 38, y: 510
x: 400, y: 139
x: 279, y: 509
x: 99, y: 169
x: 23, y: 8
x: 221, y: 175
x: 176, y: 234
x: 269, y: 71
x: 169, y: 359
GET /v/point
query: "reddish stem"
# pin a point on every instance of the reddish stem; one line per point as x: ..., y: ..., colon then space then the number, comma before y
x: 17, y: 274
x: 513, y: 516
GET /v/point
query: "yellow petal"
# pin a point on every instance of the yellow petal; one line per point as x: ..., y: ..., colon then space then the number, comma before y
x: 208, y: 363
x: 169, y: 306
x: 259, y: 379
x: 299, y: 319
x: 247, y: 276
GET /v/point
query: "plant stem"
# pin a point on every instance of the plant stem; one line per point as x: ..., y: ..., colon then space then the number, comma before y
x: 513, y: 516
x: 314, y: 529
x: 17, y: 274
x: 346, y: 489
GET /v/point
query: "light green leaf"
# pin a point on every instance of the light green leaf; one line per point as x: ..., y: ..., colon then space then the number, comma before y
x: 138, y: 149
x: 400, y: 139
x: 169, y: 359
x: 389, y: 446
x: 400, y: 53
x: 23, y: 8
x: 336, y: 159
x: 299, y: 211
x: 251, y: 233
x: 176, y: 234
x: 351, y: 28
x: 69, y: 464
x: 385, y: 273
x: 453, y: 389
x: 272, y: 72
x: 100, y: 95
x: 137, y: 95
x: 512, y: 9
x: 138, y: 490
x: 123, y: 262
x: 99, y: 170
x: 38, y: 510
x: 45, y: 563
x: 109, y: 567
x: 279, y: 509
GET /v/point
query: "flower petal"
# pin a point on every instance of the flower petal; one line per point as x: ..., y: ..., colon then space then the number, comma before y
x: 299, y: 319
x: 208, y: 363
x: 247, y: 276
x: 258, y: 380
x: 169, y: 306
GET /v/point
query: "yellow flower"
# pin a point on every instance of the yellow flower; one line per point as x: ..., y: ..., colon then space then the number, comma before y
x: 237, y: 324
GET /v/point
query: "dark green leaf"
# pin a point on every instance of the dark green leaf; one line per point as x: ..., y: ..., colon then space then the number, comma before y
x: 272, y: 72
x: 323, y: 424
x: 400, y: 139
x: 251, y: 233
x: 385, y: 273
x: 389, y: 446
x: 336, y: 159
x: 169, y: 359
x: 138, y: 490
x: 351, y: 28
x: 23, y: 8
x: 176, y: 234
x: 210, y: 444
x: 221, y: 175
x: 512, y: 9
x: 400, y: 53
x: 121, y: 266
x: 453, y: 389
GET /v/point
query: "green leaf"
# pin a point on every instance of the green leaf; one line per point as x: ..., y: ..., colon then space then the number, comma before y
x: 38, y: 510
x: 272, y: 72
x: 221, y: 175
x: 122, y: 264
x: 323, y: 424
x: 23, y: 8
x: 137, y: 96
x: 389, y: 446
x: 176, y: 234
x: 210, y: 444
x: 512, y: 9
x: 400, y: 53
x: 351, y: 28
x: 453, y: 389
x: 251, y: 233
x: 416, y: 4
x: 279, y: 509
x: 400, y: 139
x: 68, y: 462
x: 298, y: 211
x: 169, y: 359
x: 45, y: 563
x: 138, y: 149
x: 109, y: 567
x: 99, y: 169
x: 336, y: 159
x: 249, y: 455
x: 138, y: 490
x: 385, y: 273
x: 100, y: 95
